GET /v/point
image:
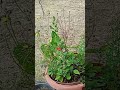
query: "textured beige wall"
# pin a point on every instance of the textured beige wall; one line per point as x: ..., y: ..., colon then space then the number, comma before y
x: 74, y: 21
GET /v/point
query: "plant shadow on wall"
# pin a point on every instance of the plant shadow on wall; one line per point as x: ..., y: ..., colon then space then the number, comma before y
x: 64, y: 66
x: 22, y: 54
x: 25, y: 54
x: 106, y: 76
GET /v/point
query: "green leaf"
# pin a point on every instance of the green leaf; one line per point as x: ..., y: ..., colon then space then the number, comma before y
x: 55, y: 40
x: 76, y: 72
x: 55, y: 37
x: 71, y: 67
x: 68, y: 76
x: 57, y: 77
x: 61, y: 79
x: 46, y: 50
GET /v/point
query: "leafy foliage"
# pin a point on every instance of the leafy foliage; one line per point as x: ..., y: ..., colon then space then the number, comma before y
x: 64, y: 65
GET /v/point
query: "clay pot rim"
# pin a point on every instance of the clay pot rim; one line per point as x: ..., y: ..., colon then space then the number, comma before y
x: 72, y: 83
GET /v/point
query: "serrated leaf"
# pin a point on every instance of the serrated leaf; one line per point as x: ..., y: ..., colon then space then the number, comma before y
x: 76, y: 71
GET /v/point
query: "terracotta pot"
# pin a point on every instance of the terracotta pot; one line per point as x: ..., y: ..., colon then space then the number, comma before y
x: 57, y: 86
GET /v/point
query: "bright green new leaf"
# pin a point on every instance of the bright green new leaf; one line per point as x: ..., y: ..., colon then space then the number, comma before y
x: 57, y: 77
x: 55, y: 40
x: 68, y: 76
x: 76, y: 71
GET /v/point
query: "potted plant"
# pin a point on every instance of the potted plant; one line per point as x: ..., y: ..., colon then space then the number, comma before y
x: 65, y: 68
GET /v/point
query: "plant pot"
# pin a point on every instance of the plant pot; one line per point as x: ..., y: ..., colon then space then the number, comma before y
x: 58, y: 86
